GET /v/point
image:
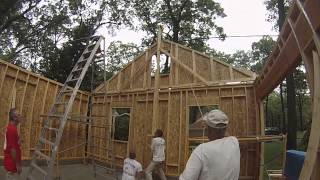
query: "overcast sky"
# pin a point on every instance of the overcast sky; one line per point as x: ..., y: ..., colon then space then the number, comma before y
x: 244, y: 17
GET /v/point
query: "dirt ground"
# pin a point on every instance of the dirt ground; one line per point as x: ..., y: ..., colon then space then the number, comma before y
x: 73, y: 172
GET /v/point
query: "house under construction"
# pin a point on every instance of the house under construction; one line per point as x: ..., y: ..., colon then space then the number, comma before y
x: 63, y: 123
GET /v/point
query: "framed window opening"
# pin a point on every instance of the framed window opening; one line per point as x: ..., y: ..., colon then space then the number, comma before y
x: 195, y: 126
x: 165, y: 63
x: 121, y: 123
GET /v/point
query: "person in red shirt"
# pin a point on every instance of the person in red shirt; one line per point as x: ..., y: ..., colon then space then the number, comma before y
x: 12, y: 150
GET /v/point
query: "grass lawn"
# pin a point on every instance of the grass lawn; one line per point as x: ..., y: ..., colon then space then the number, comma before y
x: 273, y: 154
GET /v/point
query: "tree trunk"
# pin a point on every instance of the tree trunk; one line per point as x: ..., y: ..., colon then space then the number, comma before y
x: 292, y: 117
x: 300, y: 103
x: 166, y: 68
x: 271, y: 118
x: 175, y: 38
x: 282, y: 15
x: 175, y: 30
x: 283, y: 114
x: 291, y: 102
x: 267, y: 116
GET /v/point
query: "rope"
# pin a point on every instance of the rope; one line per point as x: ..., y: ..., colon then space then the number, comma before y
x: 203, y: 127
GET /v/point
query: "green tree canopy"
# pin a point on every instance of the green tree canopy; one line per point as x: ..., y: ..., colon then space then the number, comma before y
x: 119, y: 54
x: 260, y: 52
x: 184, y: 21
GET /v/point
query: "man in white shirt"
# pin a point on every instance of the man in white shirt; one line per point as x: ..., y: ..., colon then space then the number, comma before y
x: 218, y: 159
x: 158, y: 146
x: 132, y: 169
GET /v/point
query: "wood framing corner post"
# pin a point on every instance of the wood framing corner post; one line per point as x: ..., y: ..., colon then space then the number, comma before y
x: 262, y: 127
x: 310, y: 163
x: 155, y: 115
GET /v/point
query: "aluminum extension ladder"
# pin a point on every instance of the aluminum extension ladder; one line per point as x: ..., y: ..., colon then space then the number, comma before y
x: 70, y: 87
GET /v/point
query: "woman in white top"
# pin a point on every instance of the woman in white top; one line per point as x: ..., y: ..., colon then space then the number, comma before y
x: 158, y: 146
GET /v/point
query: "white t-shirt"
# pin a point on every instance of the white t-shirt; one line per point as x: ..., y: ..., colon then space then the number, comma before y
x: 130, y: 169
x: 158, y: 146
x: 214, y: 160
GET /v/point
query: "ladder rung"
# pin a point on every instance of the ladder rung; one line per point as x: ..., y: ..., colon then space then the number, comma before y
x: 81, y: 61
x: 100, y: 54
x: 100, y: 126
x: 51, y: 128
x: 80, y: 117
x: 52, y: 115
x: 95, y: 38
x: 42, y: 155
x: 39, y: 168
x: 99, y: 61
x: 99, y: 147
x: 67, y: 91
x: 70, y: 117
x: 43, y: 140
x: 83, y: 122
x: 85, y: 117
x: 91, y: 46
x: 60, y: 103
x: 84, y: 60
x: 98, y: 116
x: 76, y: 70
x: 72, y: 80
x: 99, y: 137
x: 87, y: 54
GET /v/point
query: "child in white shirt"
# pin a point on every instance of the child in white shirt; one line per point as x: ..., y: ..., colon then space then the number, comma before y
x: 132, y: 169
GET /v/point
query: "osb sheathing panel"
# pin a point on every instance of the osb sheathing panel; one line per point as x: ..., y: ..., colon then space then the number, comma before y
x: 187, y: 67
x: 147, y: 124
x: 112, y: 83
x: 185, y: 56
x: 138, y: 72
x: 164, y: 80
x: 202, y: 66
x: 74, y: 133
x: 239, y: 75
x: 121, y: 152
x: 99, y: 129
x: 237, y: 101
x: 223, y: 71
x: 140, y: 118
x: 33, y: 95
x: 251, y: 124
x: 124, y: 80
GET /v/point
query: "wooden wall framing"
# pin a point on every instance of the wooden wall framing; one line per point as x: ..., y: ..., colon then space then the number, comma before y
x: 194, y: 78
x: 237, y: 101
x: 34, y: 95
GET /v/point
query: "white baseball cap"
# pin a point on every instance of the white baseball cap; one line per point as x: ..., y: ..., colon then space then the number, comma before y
x: 215, y: 117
